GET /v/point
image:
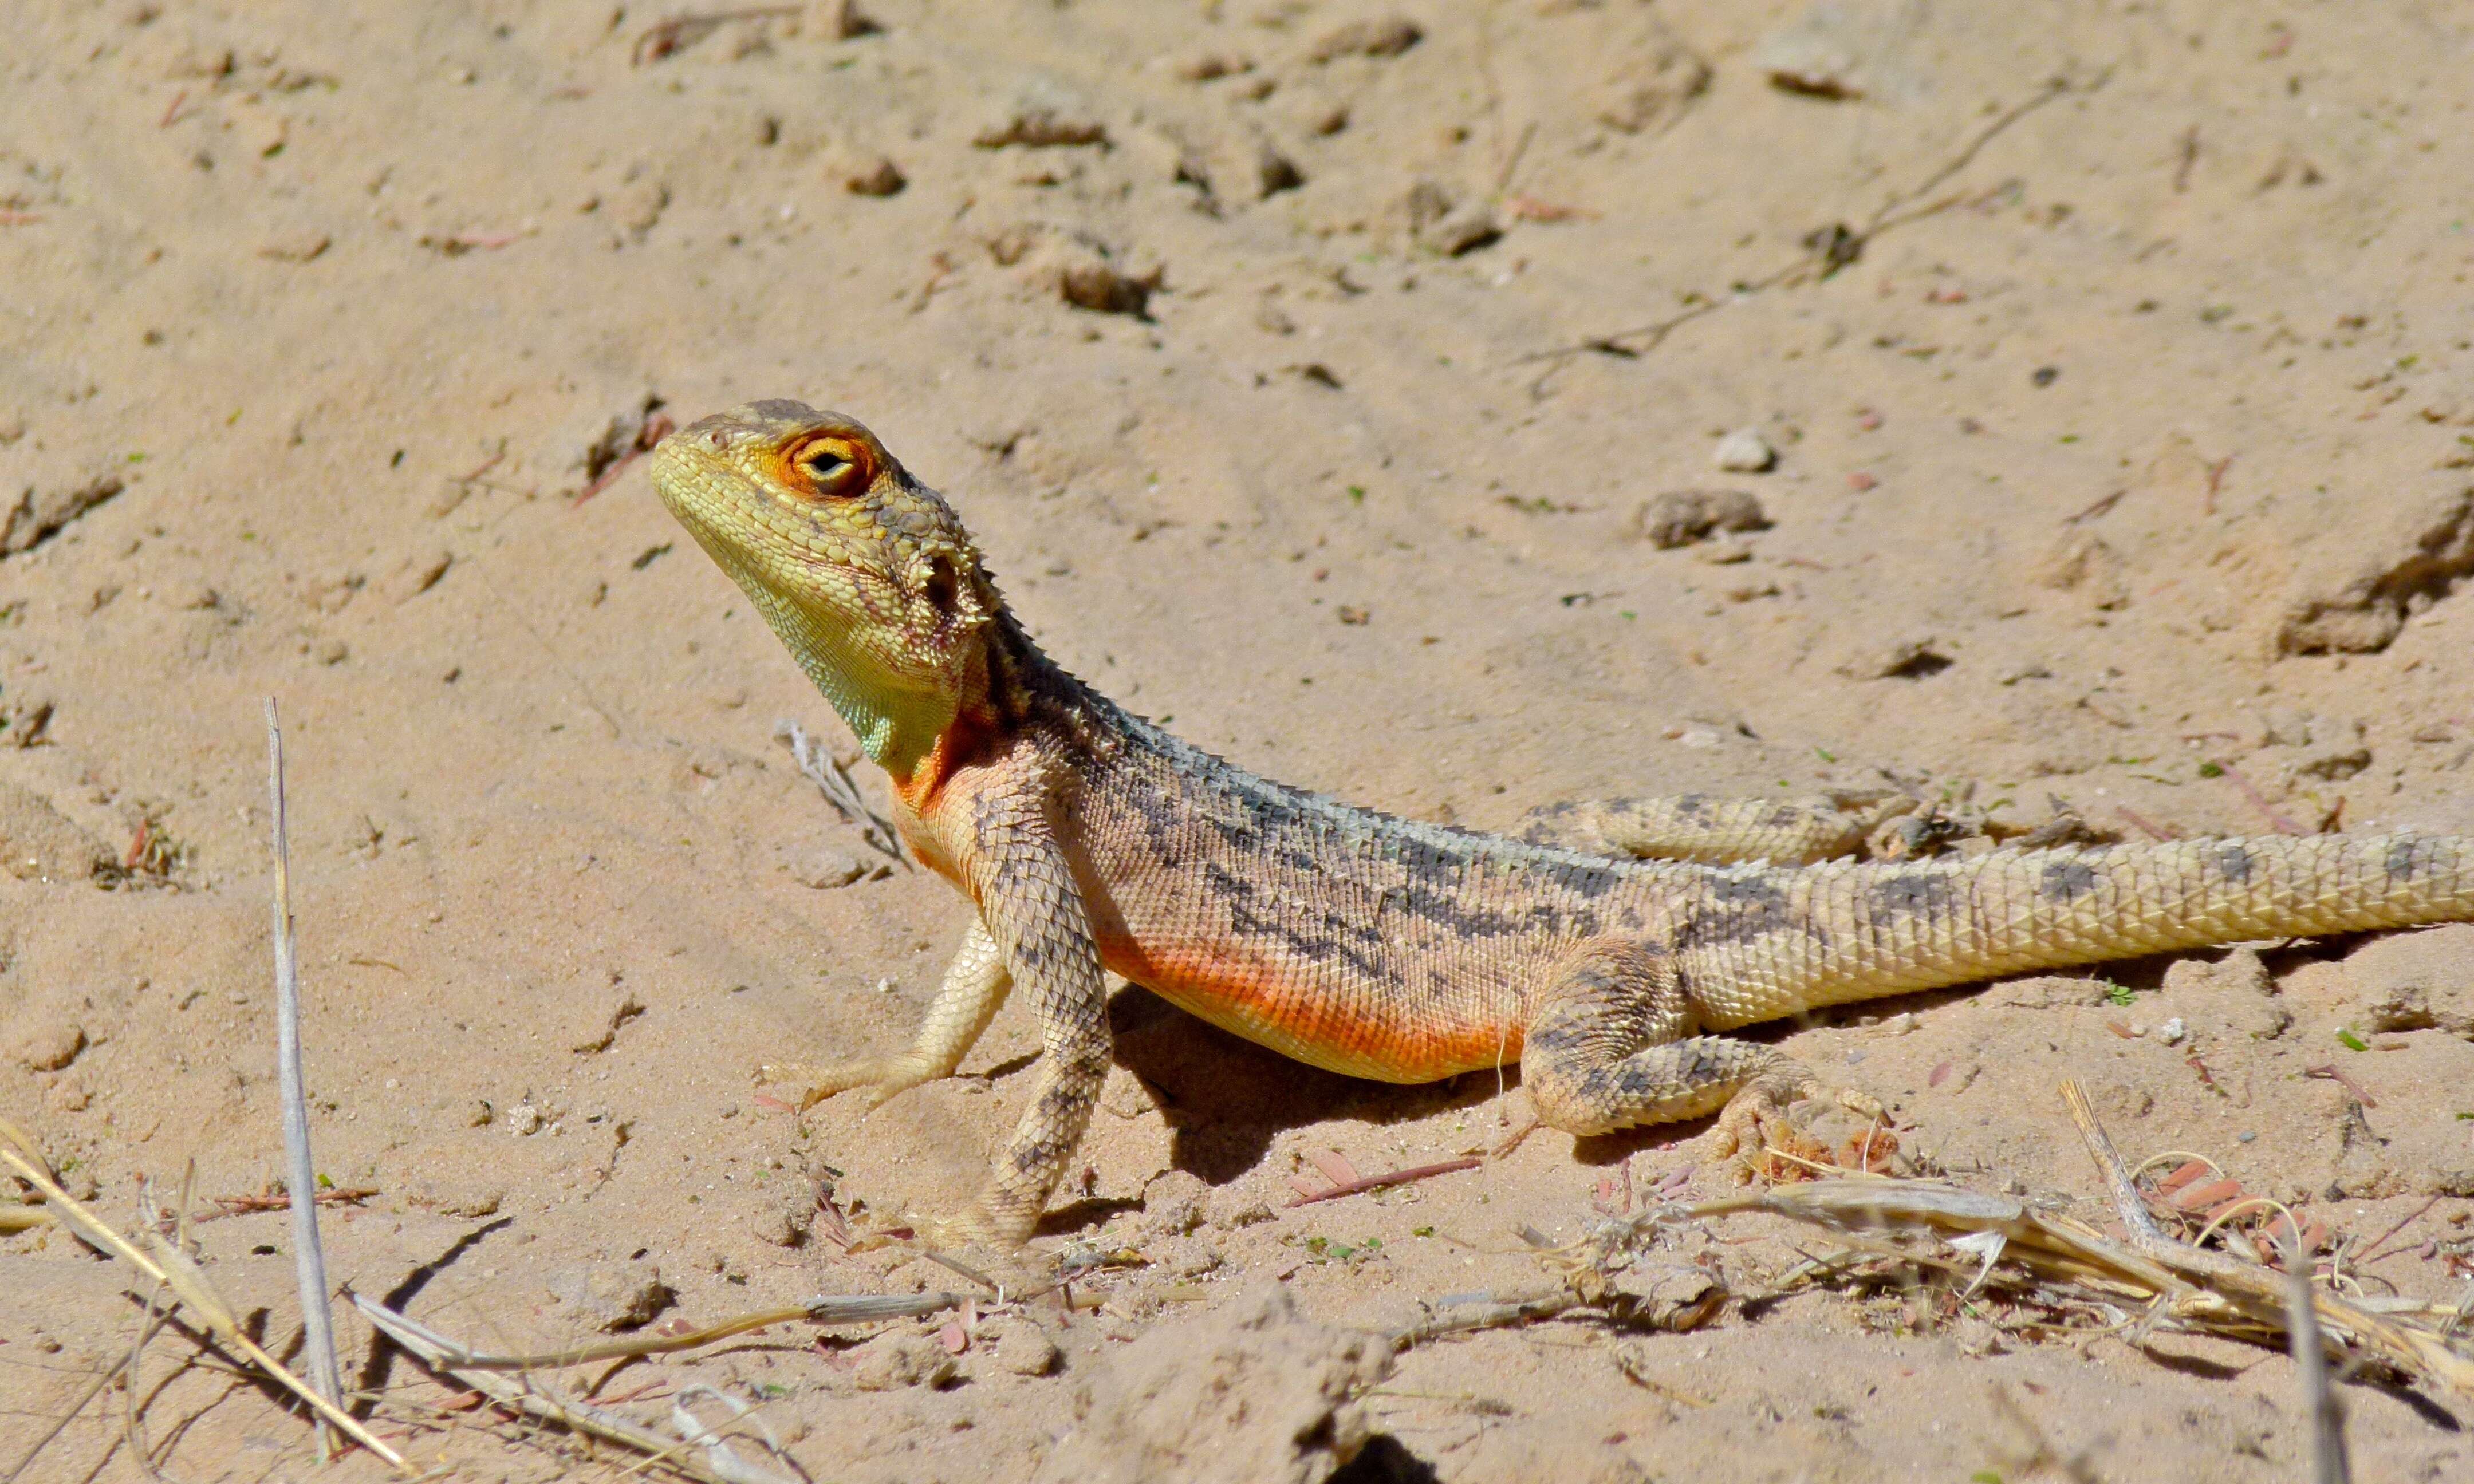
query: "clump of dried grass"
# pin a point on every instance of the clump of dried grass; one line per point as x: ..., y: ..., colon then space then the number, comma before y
x: 1928, y: 1236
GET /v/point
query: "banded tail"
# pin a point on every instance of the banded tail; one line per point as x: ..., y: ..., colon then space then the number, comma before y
x: 1758, y: 942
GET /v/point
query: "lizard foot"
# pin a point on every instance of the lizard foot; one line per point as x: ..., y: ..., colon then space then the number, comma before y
x: 881, y: 1078
x: 981, y: 1228
x: 1786, y: 1125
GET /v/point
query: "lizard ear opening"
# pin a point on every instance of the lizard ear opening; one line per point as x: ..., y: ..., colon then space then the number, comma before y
x: 943, y: 588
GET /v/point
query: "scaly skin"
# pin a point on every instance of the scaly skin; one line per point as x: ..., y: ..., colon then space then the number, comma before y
x: 1088, y: 839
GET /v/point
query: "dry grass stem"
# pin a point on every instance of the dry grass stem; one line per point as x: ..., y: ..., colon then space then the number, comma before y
x: 166, y: 1264
x: 2065, y: 1264
x: 2327, y: 1413
x: 308, y: 1254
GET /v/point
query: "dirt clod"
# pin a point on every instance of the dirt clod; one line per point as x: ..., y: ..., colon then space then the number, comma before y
x: 1252, y: 1392
x: 611, y: 1296
x: 892, y: 1362
x: 1679, y: 517
x: 47, y: 1044
x: 1023, y: 1347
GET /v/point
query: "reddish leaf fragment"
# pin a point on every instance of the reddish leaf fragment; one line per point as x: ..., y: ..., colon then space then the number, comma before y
x: 2214, y: 1192
x: 1334, y: 1165
x: 2183, y: 1176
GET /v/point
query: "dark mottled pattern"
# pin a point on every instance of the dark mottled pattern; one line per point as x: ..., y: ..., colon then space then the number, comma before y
x: 2067, y: 880
x: 1733, y: 907
x: 1331, y: 907
x: 1924, y: 894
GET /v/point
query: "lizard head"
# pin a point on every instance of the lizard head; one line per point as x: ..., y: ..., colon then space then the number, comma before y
x: 865, y: 574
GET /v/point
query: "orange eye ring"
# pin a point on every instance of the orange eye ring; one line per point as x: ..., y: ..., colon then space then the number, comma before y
x: 832, y: 467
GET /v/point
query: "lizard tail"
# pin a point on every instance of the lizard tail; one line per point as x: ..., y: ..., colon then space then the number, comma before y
x: 1760, y: 943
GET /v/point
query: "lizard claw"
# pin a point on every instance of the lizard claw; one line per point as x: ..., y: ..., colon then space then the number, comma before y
x: 1780, y: 1126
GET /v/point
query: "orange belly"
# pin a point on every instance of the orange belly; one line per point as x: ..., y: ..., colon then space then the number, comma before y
x: 1272, y: 1004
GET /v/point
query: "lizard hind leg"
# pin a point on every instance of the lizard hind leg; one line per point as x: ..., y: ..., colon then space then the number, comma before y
x: 1611, y: 1045
x: 1723, y: 831
x: 976, y: 985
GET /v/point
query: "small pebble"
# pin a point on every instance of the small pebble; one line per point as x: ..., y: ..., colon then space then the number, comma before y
x: 1745, y: 452
x: 875, y: 177
x: 2171, y: 1031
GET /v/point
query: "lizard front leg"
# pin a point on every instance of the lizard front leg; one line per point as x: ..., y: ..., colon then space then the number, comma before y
x: 1034, y: 914
x: 976, y: 985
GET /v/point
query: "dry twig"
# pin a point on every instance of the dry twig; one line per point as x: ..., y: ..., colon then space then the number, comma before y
x: 1392, y: 1178
x: 1827, y: 250
x: 839, y: 788
x: 530, y: 1397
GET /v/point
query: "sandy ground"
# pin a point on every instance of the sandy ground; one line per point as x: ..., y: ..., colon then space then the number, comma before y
x: 2123, y: 459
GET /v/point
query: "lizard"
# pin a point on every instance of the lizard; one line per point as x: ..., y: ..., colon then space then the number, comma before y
x: 1090, y: 841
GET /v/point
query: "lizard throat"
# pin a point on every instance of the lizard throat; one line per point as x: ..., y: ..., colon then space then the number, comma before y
x: 899, y: 725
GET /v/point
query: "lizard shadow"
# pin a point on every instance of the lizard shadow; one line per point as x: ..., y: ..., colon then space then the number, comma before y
x: 1227, y: 1099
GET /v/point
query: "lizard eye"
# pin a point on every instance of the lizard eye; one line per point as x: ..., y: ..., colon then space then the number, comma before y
x: 824, y: 466
x: 830, y: 467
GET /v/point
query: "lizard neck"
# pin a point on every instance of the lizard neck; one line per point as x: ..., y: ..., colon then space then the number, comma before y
x: 1005, y: 681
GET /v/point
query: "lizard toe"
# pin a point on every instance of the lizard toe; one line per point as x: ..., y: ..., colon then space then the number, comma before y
x: 876, y: 1079
x: 1786, y: 1125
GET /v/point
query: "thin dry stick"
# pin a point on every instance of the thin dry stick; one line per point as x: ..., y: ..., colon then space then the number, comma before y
x: 839, y: 788
x: 254, y: 1204
x: 1830, y: 250
x: 2144, y: 1233
x: 2382, y: 1240
x: 167, y: 1264
x: 2258, y: 802
x: 1393, y: 1178
x: 308, y: 1256
x: 823, y: 1309
x: 2327, y: 1413
x: 532, y: 1396
x: 61, y: 1424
